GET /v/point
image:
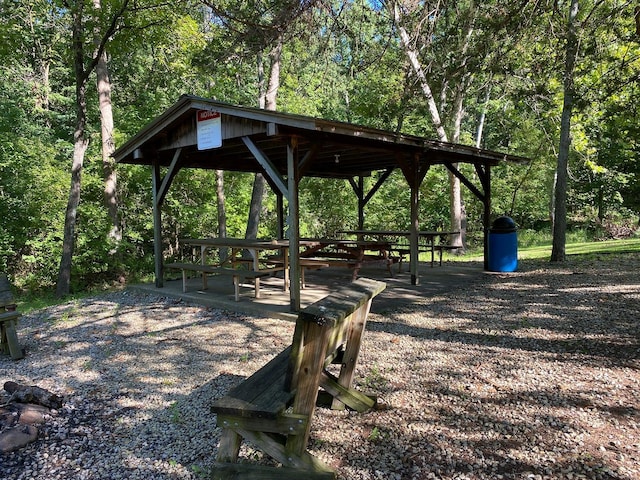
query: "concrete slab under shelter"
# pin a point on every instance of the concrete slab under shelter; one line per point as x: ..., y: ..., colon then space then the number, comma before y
x: 275, y: 302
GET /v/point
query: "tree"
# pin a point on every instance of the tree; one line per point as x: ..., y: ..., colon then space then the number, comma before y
x: 82, y: 72
x: 560, y: 195
x: 103, y: 85
x: 261, y: 28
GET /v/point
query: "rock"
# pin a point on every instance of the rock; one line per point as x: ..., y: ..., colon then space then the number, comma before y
x: 14, y: 438
x: 29, y: 413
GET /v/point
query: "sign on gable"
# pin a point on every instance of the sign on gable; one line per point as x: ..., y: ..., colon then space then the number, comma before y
x: 209, y: 129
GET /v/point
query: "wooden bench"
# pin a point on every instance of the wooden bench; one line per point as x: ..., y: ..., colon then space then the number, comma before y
x: 8, y: 321
x: 440, y: 249
x: 402, y: 252
x: 305, y: 264
x: 238, y: 275
x: 273, y: 408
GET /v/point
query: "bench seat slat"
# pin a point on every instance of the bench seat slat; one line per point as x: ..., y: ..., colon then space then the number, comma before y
x: 10, y: 315
x: 262, y: 395
x: 197, y: 267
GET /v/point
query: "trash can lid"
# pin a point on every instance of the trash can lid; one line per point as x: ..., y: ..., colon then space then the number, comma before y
x: 503, y: 224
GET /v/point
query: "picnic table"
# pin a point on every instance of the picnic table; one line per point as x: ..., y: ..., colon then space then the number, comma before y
x: 237, y: 265
x: 314, y: 253
x: 350, y: 253
x: 432, y: 241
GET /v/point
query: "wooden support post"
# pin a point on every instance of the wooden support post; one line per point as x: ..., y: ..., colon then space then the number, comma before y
x: 157, y: 224
x: 352, y: 350
x: 294, y: 225
x: 229, y: 447
x: 315, y: 339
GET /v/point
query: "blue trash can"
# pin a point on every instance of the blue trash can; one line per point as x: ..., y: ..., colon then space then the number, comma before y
x: 503, y: 245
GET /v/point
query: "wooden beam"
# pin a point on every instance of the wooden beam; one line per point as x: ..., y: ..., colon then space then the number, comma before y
x: 157, y: 223
x: 466, y: 181
x: 160, y: 187
x: 484, y: 173
x: 168, y: 178
x: 293, y: 220
x: 342, y: 395
x: 414, y: 174
x: 378, y: 184
x: 358, y: 188
x: 308, y: 159
x: 267, y: 165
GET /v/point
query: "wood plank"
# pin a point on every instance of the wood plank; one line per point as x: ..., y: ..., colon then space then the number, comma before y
x: 262, y: 395
x: 274, y: 446
x: 8, y: 316
x: 352, y: 350
x: 12, y: 340
x: 263, y: 472
x: 339, y: 305
x: 352, y: 398
x: 229, y: 447
x: 285, y: 424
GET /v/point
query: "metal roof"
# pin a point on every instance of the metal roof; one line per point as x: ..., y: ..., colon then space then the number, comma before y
x: 329, y: 148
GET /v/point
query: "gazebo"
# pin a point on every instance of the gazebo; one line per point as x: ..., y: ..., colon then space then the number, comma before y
x: 201, y: 133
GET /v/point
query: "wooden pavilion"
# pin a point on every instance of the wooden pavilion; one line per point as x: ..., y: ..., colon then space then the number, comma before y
x: 202, y: 133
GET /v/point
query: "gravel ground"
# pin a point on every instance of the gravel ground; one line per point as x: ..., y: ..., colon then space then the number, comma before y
x: 529, y: 375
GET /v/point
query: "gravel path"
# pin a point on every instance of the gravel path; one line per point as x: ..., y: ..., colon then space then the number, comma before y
x: 530, y: 375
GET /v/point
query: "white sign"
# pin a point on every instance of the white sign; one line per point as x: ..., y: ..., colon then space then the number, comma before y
x: 209, y: 129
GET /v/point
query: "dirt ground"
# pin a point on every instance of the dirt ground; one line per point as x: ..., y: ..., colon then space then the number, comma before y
x: 527, y: 375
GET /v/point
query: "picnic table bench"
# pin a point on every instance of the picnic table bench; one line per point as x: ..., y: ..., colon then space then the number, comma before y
x: 238, y: 275
x: 402, y: 249
x: 305, y: 264
x: 8, y: 321
x: 353, y: 254
x: 238, y: 266
x: 273, y: 408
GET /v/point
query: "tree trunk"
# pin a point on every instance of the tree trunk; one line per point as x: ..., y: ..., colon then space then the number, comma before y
x: 275, y: 57
x: 222, y: 213
x: 79, y: 148
x: 560, y: 205
x: 257, y: 195
x: 483, y: 116
x: 108, y: 146
x: 422, y: 78
x: 457, y: 216
x: 270, y: 103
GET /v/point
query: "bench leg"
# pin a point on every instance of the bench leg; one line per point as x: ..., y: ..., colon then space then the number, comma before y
x: 229, y: 446
x: 390, y: 266
x: 184, y: 281
x: 10, y: 340
x: 352, y: 350
x: 236, y: 288
x: 315, y: 340
x: 256, y: 286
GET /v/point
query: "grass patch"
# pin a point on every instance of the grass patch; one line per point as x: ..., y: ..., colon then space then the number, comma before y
x: 543, y: 252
